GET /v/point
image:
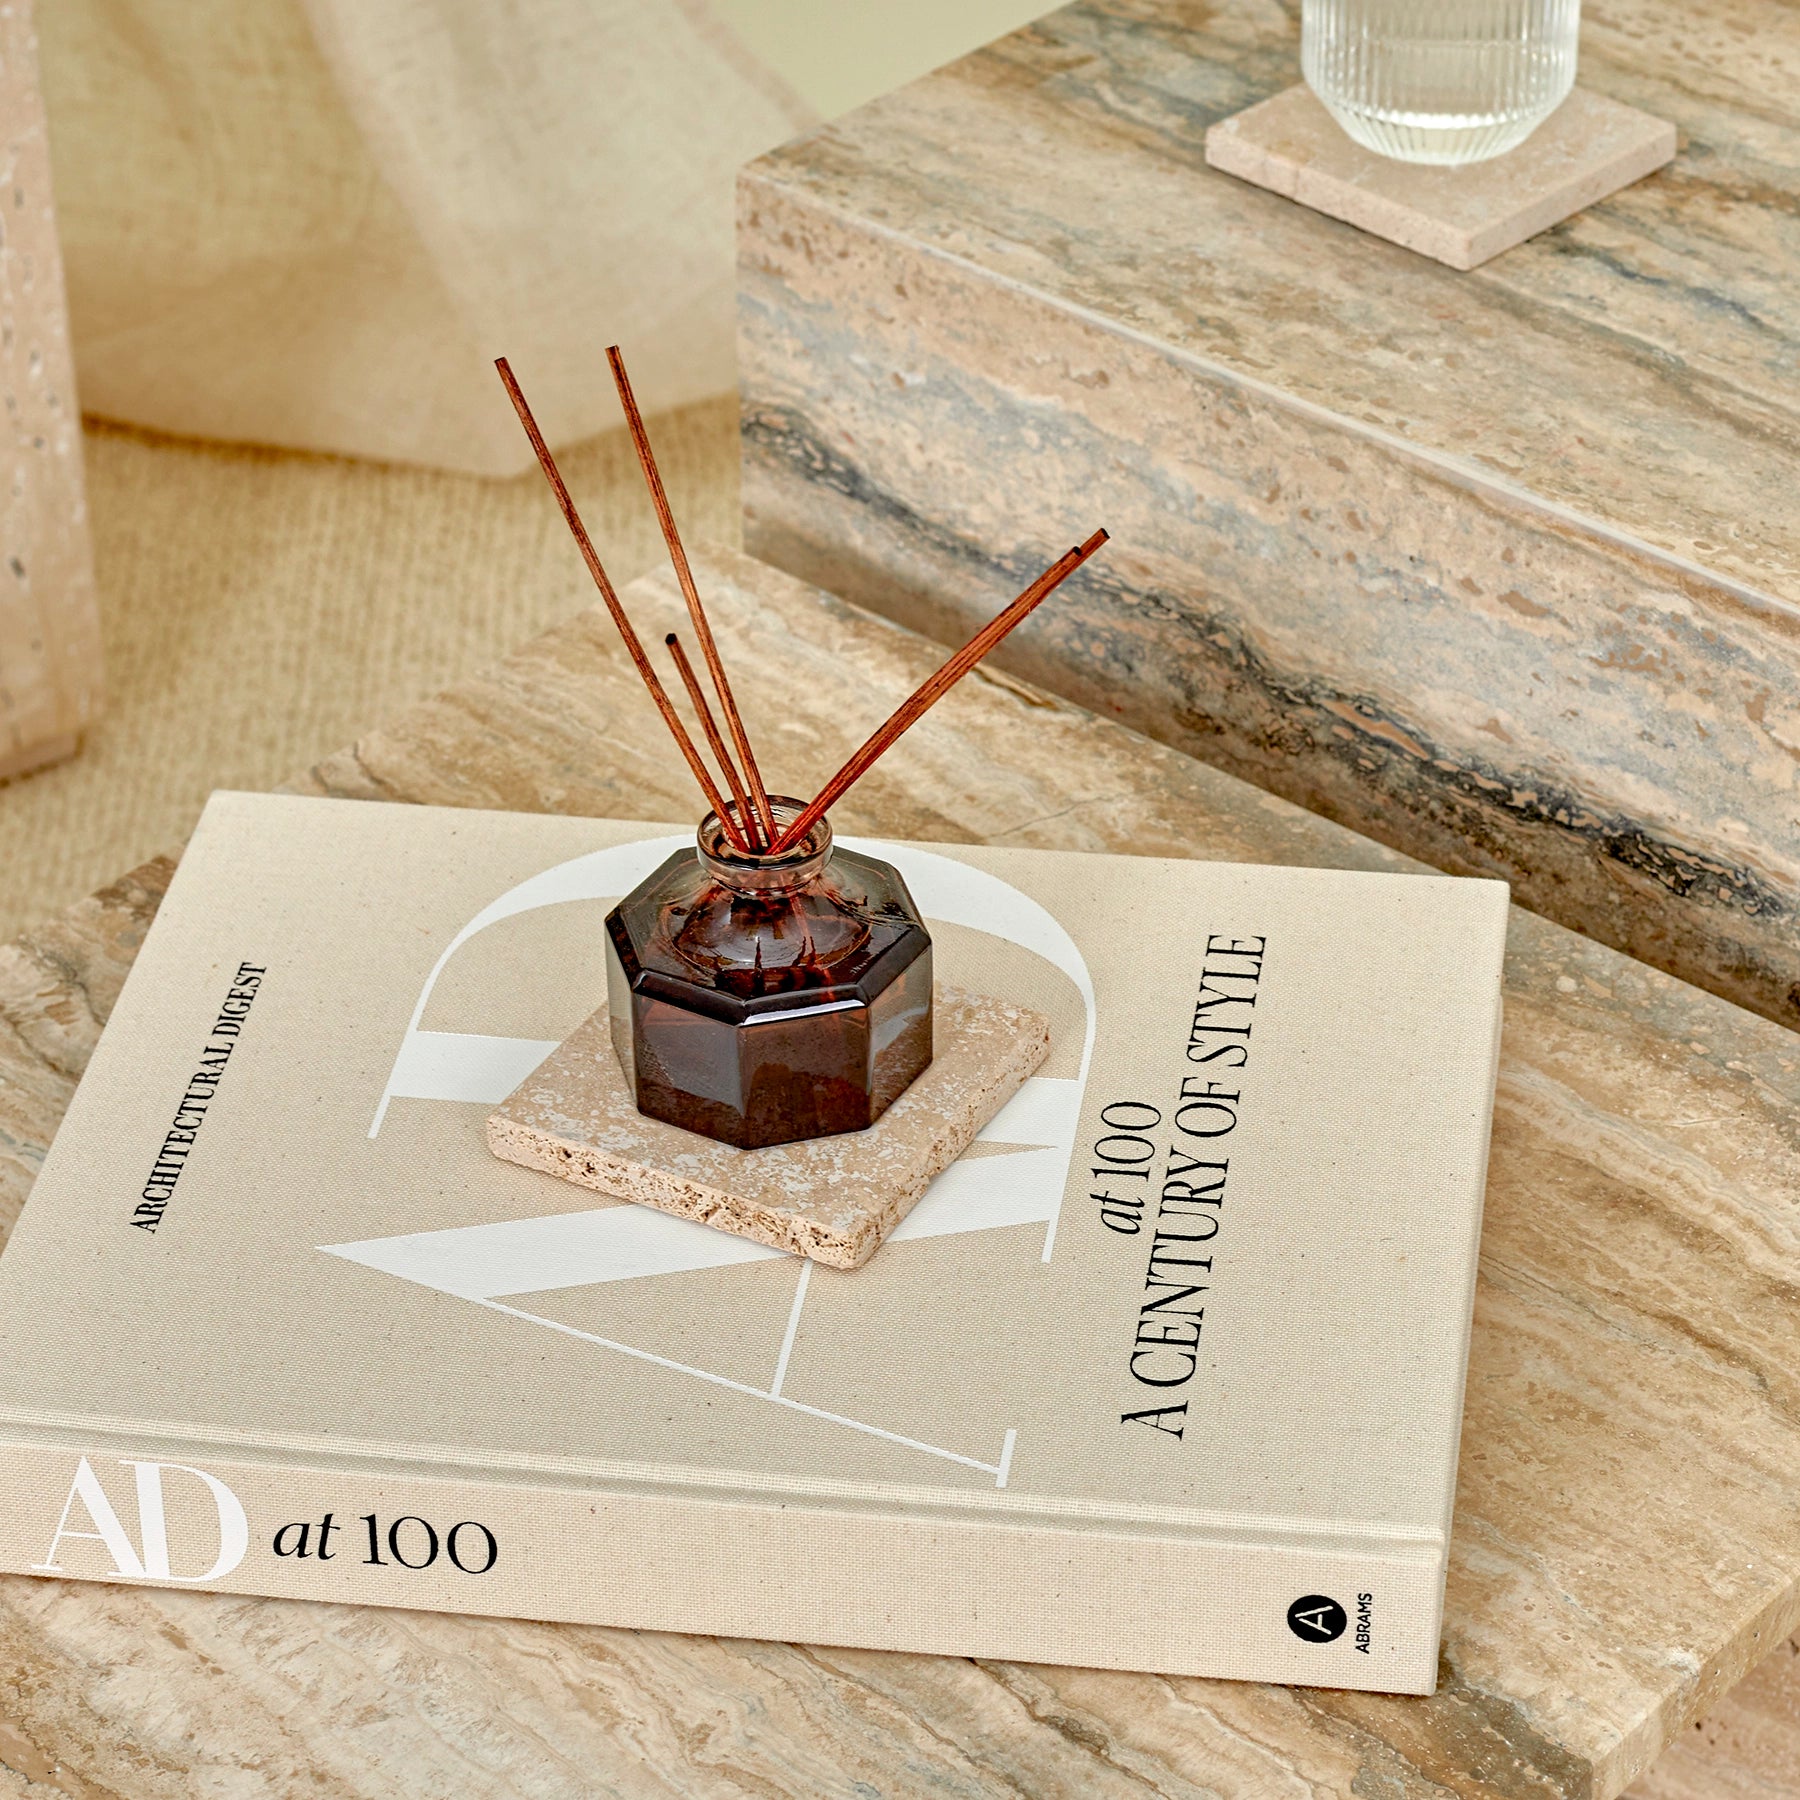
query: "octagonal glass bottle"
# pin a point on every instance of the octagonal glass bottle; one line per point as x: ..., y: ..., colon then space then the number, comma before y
x: 759, y: 1000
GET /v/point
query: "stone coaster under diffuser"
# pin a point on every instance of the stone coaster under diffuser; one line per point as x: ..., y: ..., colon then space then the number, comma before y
x: 1588, y: 148
x: 833, y: 1198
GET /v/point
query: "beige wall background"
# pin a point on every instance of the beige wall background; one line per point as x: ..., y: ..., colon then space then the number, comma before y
x: 262, y: 607
x: 841, y: 53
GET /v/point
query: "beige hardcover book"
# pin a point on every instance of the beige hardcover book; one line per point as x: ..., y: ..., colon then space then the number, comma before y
x: 1165, y: 1373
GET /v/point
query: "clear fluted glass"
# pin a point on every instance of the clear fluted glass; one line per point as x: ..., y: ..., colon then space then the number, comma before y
x: 1440, y: 81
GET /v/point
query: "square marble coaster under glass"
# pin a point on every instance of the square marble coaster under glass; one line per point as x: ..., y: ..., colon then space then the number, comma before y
x: 1588, y: 148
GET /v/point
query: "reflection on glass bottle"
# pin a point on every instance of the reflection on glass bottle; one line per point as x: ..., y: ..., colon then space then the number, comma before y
x: 759, y: 1000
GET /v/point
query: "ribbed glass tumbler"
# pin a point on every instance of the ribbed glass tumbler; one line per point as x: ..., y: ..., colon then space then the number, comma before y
x: 1440, y: 81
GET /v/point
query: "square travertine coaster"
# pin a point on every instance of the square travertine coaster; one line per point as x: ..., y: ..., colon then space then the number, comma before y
x: 833, y: 1199
x: 1588, y: 148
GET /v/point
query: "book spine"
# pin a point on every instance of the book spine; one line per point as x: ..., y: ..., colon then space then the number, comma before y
x: 795, y: 1570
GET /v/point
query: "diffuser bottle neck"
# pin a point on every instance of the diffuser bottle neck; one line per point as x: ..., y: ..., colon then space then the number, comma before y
x: 765, y: 877
x: 766, y: 924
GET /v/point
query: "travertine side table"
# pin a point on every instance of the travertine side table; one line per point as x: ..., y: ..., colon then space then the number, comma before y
x: 49, y: 624
x: 1625, y: 1543
x: 1502, y: 568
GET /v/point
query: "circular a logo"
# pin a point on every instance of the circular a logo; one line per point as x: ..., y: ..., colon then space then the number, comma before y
x: 1317, y: 1618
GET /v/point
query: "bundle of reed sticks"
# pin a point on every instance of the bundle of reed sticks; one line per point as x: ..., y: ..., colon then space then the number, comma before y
x: 747, y: 818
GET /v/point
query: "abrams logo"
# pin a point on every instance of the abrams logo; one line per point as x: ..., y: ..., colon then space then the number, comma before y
x: 1317, y: 1619
x: 148, y: 1559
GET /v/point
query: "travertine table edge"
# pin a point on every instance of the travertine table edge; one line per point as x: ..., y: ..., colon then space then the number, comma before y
x: 529, y: 734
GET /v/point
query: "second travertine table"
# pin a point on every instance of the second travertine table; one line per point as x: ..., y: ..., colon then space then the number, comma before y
x: 1501, y: 567
x: 1625, y: 1543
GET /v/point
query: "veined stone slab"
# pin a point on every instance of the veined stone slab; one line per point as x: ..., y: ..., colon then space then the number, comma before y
x: 1624, y: 1543
x: 1502, y: 568
x: 1588, y: 148
x: 833, y: 1199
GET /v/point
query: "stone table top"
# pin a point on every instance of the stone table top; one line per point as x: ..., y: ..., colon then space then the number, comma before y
x: 1625, y: 1542
x: 1501, y: 568
x: 1636, y: 364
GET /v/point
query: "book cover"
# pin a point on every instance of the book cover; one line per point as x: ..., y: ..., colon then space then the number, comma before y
x: 1165, y: 1373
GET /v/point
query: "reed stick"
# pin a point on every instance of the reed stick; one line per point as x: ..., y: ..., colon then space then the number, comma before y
x: 709, y: 651
x: 933, y: 690
x: 671, y: 718
x: 721, y: 753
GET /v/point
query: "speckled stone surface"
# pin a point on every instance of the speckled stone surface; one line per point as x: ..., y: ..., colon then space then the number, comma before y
x: 833, y: 1199
x: 49, y: 624
x: 1627, y: 1531
x: 1588, y: 148
x: 1746, y: 1749
x: 1501, y: 568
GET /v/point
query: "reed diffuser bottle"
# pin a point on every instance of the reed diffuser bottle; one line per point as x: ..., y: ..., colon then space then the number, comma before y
x: 758, y: 999
x: 764, y: 987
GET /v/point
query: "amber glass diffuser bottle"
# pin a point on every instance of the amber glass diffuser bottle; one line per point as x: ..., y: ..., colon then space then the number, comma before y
x: 764, y: 988
x: 759, y: 999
